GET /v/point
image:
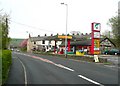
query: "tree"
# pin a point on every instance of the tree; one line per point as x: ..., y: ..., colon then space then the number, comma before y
x: 114, y: 22
x: 106, y: 33
x: 4, y: 30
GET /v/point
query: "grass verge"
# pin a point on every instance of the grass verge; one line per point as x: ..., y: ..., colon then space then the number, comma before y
x: 82, y: 58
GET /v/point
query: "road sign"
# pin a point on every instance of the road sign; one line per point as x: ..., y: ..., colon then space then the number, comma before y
x: 97, y: 26
x: 95, y: 47
x: 63, y: 37
x: 96, y: 34
x: 96, y: 44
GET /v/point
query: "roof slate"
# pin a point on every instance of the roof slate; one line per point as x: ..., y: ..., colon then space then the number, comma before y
x: 86, y: 42
x: 38, y: 38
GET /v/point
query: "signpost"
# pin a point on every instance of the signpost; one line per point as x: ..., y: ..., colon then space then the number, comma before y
x: 95, y: 48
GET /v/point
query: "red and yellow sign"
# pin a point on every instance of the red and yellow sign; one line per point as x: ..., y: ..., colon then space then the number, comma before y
x: 95, y: 47
x: 96, y: 52
x: 96, y: 44
x: 63, y: 37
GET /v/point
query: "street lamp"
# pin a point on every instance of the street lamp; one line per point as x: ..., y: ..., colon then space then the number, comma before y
x: 66, y: 28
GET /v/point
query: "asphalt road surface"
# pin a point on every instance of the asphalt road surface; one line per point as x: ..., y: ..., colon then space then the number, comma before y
x: 39, y: 69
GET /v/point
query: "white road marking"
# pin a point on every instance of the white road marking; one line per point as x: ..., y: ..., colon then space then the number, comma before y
x: 59, y: 65
x: 25, y: 74
x: 90, y: 80
x: 51, y: 62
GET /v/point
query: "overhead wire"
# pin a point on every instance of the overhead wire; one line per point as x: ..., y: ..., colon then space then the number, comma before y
x: 32, y: 26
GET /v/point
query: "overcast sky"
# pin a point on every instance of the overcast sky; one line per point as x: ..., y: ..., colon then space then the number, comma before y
x: 49, y: 16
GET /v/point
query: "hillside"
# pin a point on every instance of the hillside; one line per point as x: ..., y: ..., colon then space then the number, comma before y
x: 15, y: 42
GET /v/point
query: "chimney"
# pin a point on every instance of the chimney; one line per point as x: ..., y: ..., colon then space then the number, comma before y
x: 51, y: 34
x: 38, y: 35
x: 68, y: 34
x: 45, y: 34
x: 82, y: 34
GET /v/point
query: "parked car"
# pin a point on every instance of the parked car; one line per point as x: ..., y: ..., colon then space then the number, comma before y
x: 17, y: 50
x: 112, y: 52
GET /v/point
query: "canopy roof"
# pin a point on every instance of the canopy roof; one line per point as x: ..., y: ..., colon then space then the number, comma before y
x: 85, y: 42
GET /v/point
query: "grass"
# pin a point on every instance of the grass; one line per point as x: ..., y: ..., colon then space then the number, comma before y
x: 82, y: 58
x: 6, y: 63
x: 107, y: 63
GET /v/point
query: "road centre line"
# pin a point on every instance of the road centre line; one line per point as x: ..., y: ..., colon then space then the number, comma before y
x: 90, y: 80
x: 24, y: 69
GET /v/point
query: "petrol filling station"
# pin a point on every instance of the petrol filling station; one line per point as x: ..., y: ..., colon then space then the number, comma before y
x: 61, y: 38
x: 94, y: 48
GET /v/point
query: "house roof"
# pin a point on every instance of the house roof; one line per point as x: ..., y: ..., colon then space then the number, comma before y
x: 56, y: 38
x: 85, y: 42
x: 38, y: 38
x: 81, y: 37
x: 102, y: 39
x: 74, y: 38
x: 82, y: 43
x: 52, y: 38
x: 23, y: 43
x: 77, y: 43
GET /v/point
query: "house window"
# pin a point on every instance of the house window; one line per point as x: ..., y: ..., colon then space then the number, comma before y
x: 43, y: 42
x: 34, y: 42
x: 47, y: 47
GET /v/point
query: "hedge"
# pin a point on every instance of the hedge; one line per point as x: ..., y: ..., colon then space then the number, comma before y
x: 0, y: 67
x: 6, y: 63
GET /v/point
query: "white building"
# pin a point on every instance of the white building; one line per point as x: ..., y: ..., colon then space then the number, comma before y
x: 41, y: 43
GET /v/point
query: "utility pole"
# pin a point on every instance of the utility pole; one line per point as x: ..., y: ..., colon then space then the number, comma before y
x: 66, y: 28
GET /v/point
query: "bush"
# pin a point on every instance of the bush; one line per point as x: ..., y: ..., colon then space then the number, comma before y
x: 6, y: 63
x: 24, y: 49
x: 0, y: 68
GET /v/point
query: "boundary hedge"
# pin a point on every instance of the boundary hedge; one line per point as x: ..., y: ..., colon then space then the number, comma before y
x: 6, y: 63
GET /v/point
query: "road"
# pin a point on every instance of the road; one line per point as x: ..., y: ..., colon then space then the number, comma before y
x: 40, y: 69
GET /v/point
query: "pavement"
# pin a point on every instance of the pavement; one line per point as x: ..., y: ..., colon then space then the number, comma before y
x: 41, y: 69
x: 115, y: 59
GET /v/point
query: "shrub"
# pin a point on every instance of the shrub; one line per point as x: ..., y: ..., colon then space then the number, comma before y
x: 0, y: 68
x: 24, y: 49
x: 6, y: 62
